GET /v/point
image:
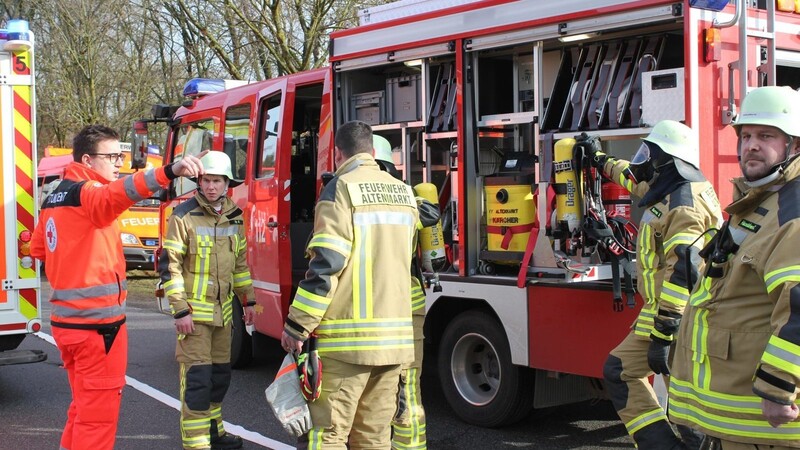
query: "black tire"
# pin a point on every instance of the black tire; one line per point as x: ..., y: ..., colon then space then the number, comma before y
x: 479, y: 382
x: 241, y: 342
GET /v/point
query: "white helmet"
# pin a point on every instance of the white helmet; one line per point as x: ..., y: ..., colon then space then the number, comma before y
x: 382, y: 148
x: 675, y: 140
x: 219, y: 163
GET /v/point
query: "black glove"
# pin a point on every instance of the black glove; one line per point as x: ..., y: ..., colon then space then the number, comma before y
x: 592, y: 149
x: 658, y: 355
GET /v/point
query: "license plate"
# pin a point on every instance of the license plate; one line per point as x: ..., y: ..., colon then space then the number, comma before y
x: 150, y: 242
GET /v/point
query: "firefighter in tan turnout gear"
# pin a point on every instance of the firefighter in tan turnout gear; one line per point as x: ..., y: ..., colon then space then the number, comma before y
x: 408, y: 424
x: 204, y: 270
x: 356, y: 297
x: 680, y: 206
x: 736, y: 370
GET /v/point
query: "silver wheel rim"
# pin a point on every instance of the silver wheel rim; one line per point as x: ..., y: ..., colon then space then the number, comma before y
x: 475, y: 369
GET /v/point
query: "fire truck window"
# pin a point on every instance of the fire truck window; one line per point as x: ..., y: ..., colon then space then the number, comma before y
x: 237, y: 130
x: 270, y: 126
x: 191, y: 139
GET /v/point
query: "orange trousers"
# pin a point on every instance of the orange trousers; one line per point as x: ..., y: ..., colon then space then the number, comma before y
x: 96, y: 379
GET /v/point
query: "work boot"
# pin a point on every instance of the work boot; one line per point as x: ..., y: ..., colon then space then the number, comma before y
x: 225, y: 442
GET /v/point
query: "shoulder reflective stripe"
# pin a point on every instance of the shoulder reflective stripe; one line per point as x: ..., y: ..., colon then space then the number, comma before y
x: 216, y: 231
x: 645, y: 419
x: 93, y: 313
x: 130, y: 189
x: 176, y: 246
x: 150, y: 180
x: 780, y: 276
x: 782, y: 354
x: 332, y: 242
x: 88, y: 292
x: 313, y: 304
x: 384, y: 218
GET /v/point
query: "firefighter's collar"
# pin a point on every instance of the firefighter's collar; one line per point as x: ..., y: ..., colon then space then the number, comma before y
x: 357, y: 160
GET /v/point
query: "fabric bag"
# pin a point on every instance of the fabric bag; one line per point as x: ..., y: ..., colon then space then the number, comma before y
x: 286, y: 399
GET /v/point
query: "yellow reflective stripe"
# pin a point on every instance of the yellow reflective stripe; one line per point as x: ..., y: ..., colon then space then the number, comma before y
x: 311, y: 303
x: 201, y: 310
x: 644, y: 322
x: 356, y: 344
x: 679, y: 238
x: 674, y: 293
x: 647, y: 258
x: 368, y: 311
x: 624, y: 181
x: 315, y: 438
x: 227, y: 310
x: 701, y: 364
x: 358, y: 258
x: 333, y: 242
x: 201, y: 265
x: 194, y: 424
x: 685, y: 398
x: 780, y: 276
x: 643, y: 420
x: 242, y: 279
x: 658, y: 334
x: 782, y: 354
x: 175, y: 246
x: 702, y: 294
x: 173, y: 286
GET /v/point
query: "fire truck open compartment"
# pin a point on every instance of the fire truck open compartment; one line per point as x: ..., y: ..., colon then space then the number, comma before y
x: 517, y: 98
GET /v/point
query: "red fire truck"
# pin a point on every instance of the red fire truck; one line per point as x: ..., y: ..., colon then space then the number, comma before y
x: 477, y: 98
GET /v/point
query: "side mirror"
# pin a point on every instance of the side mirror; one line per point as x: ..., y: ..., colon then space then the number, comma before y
x: 139, y: 145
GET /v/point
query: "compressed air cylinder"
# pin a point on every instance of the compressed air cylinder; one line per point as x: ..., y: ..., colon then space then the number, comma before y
x: 431, y: 239
x: 568, y: 194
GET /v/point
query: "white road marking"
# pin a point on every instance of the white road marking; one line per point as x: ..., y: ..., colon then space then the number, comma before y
x: 175, y: 404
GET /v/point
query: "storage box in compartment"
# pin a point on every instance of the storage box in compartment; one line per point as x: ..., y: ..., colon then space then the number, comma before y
x: 403, y: 99
x: 369, y: 107
x: 663, y: 96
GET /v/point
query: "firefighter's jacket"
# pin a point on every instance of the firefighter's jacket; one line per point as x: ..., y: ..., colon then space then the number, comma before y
x: 78, y: 237
x: 740, y: 337
x: 666, y: 230
x: 203, y: 262
x: 356, y: 293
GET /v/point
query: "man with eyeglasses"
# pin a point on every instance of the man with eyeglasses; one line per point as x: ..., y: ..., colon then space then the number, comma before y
x: 77, y: 235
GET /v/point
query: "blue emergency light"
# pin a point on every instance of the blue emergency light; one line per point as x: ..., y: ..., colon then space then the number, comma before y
x: 17, y: 35
x: 198, y: 87
x: 710, y: 5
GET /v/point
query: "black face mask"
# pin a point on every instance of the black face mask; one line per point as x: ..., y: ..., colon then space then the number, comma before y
x: 646, y: 163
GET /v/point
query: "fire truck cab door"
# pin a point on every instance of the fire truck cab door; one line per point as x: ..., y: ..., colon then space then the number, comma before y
x: 268, y: 235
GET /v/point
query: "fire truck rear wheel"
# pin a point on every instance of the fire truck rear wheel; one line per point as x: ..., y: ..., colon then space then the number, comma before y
x: 241, y: 342
x: 479, y: 381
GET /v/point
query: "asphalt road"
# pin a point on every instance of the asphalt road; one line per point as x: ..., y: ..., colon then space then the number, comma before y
x: 34, y: 399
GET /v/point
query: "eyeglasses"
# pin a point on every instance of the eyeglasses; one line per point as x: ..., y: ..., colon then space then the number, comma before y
x: 112, y: 157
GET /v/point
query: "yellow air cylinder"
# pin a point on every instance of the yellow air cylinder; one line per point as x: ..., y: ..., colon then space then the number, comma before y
x: 568, y: 195
x: 510, y: 215
x: 431, y: 239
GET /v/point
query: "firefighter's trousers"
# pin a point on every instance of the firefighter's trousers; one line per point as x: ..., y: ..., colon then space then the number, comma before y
x: 408, y: 425
x: 626, y: 374
x: 96, y: 378
x: 204, y: 357
x: 356, y: 403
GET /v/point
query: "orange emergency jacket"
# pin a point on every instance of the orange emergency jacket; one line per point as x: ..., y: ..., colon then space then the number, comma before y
x: 77, y: 235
